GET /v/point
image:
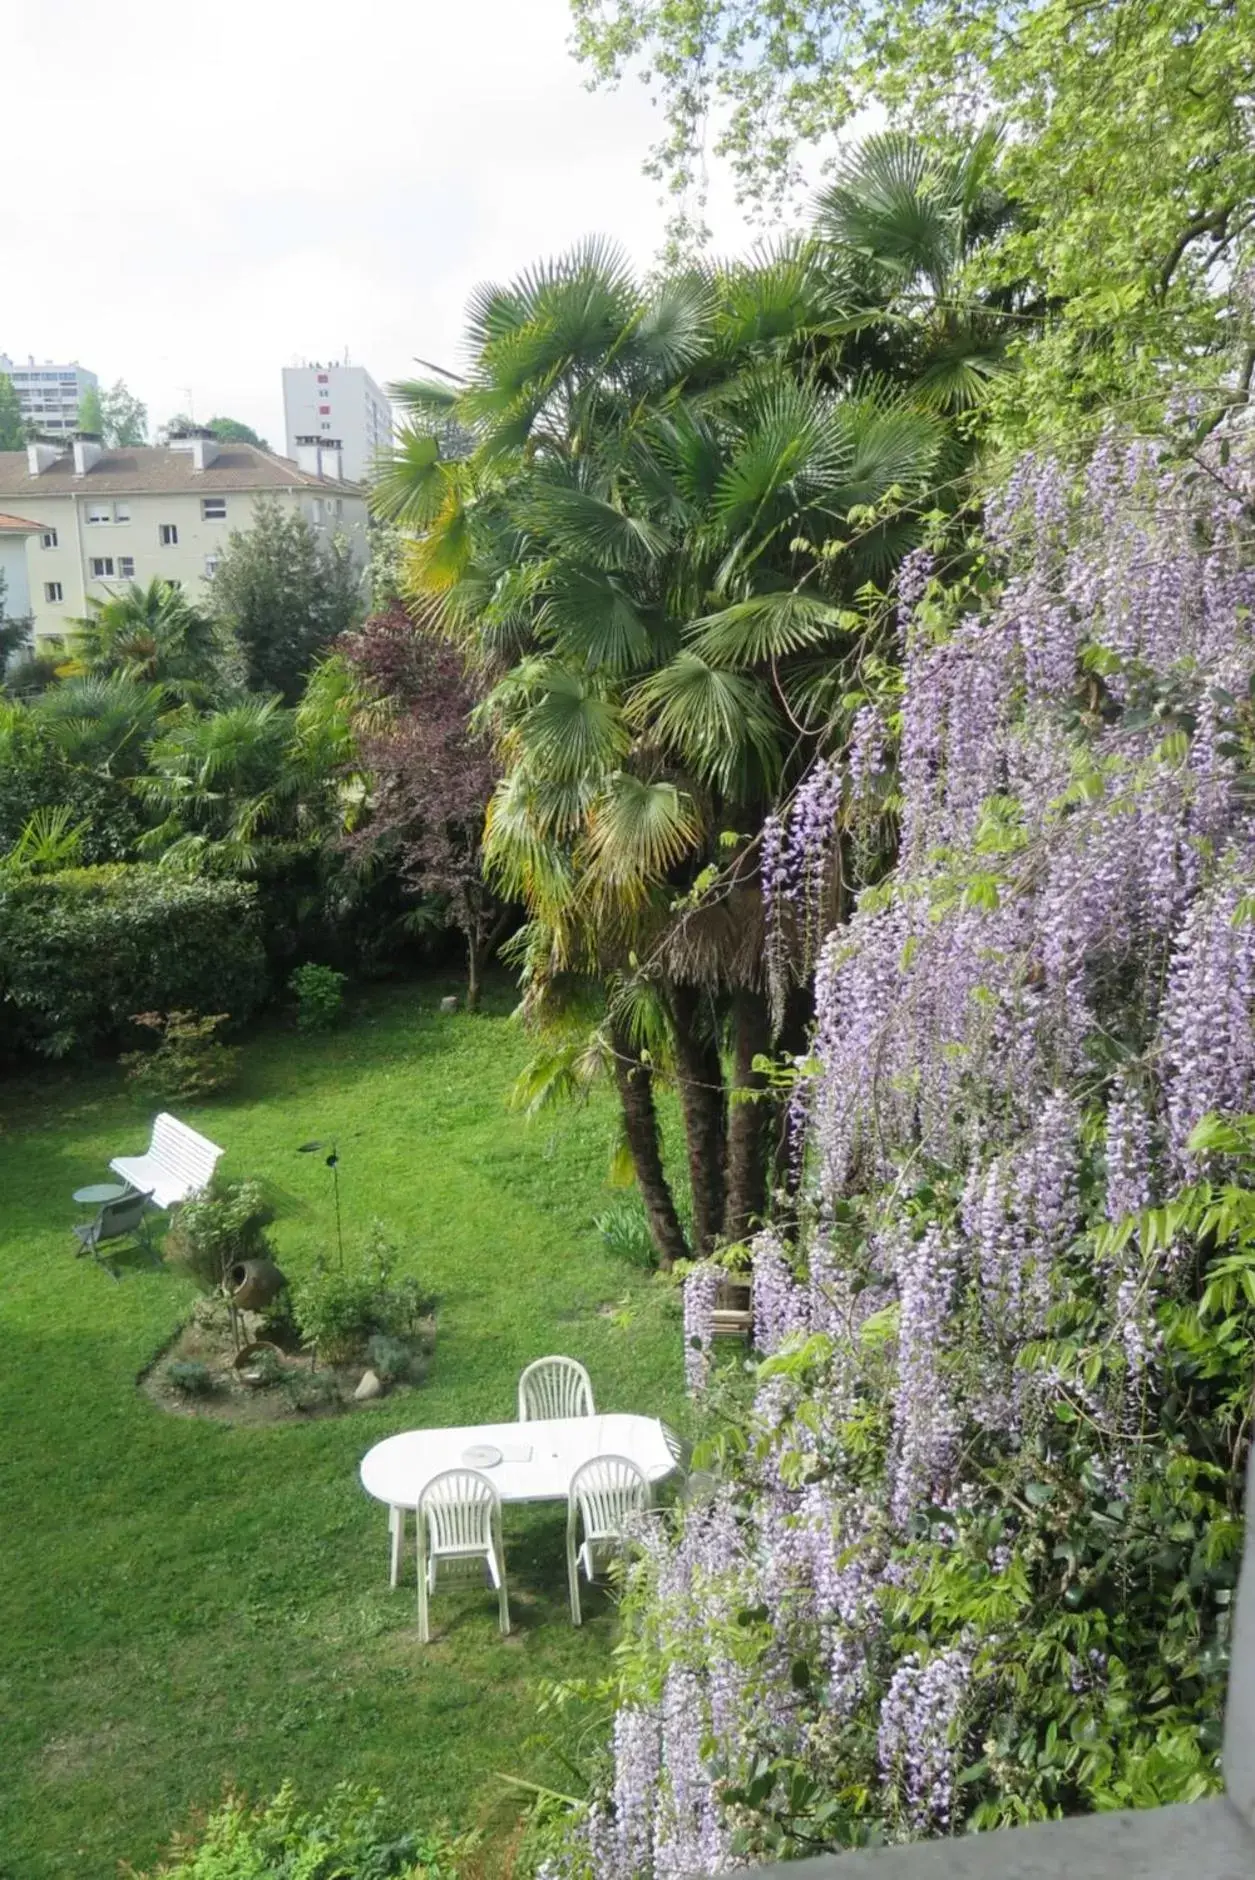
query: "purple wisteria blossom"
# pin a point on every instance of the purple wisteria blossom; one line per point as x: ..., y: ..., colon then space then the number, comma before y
x: 1077, y: 868
x: 921, y: 1736
x: 924, y: 1423
x: 701, y: 1291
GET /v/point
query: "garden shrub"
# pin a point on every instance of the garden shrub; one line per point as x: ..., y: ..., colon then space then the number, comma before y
x: 213, y: 1230
x: 191, y: 1377
x: 340, y: 1310
x: 625, y: 1233
x: 352, y: 1835
x: 320, y: 995
x: 394, y: 1360
x: 313, y: 1390
x: 82, y: 950
x: 188, y: 1058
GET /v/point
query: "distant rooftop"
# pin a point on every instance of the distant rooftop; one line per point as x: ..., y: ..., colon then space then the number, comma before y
x: 152, y: 470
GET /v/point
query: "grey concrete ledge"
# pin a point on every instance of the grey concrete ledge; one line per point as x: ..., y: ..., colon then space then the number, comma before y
x: 1201, y: 1841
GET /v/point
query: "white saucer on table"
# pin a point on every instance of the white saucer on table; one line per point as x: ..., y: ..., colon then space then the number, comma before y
x: 481, y: 1456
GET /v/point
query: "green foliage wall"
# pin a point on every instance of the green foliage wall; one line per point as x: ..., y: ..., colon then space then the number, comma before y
x: 82, y: 950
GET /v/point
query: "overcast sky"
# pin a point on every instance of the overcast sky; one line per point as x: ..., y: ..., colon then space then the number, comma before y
x: 209, y: 192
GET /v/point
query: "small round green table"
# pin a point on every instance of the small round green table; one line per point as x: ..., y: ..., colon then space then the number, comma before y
x: 99, y: 1192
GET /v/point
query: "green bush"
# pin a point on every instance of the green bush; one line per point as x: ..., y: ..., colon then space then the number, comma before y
x: 395, y: 1360
x: 211, y: 1232
x: 320, y: 995
x: 313, y: 1390
x: 82, y: 950
x: 192, y: 1377
x: 339, y: 1312
x: 188, y: 1058
x: 353, y: 1835
x: 625, y: 1232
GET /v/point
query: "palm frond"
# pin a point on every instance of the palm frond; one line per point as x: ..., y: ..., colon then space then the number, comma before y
x: 572, y: 729
x: 766, y: 626
x: 723, y: 724
x: 637, y: 831
x: 412, y: 481
x: 592, y: 621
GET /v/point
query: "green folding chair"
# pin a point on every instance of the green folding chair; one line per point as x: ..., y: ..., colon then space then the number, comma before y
x: 123, y: 1219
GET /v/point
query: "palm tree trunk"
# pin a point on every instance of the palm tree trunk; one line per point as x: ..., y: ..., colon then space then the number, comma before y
x: 704, y: 1106
x: 749, y: 1118
x: 640, y: 1125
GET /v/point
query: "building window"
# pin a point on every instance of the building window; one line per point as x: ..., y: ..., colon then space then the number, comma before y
x: 100, y: 512
x: 322, y: 378
x: 102, y: 567
x: 213, y: 508
x: 52, y: 590
x: 121, y: 512
x: 211, y: 566
x: 49, y: 538
x: 126, y: 567
x: 324, y: 411
x: 326, y: 424
x: 169, y: 534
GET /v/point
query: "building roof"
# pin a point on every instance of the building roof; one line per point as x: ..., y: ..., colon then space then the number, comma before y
x: 18, y: 525
x: 151, y: 470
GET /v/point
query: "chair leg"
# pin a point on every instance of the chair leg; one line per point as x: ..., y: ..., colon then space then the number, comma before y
x: 503, y: 1597
x: 424, y: 1630
x: 573, y: 1581
x: 396, y: 1531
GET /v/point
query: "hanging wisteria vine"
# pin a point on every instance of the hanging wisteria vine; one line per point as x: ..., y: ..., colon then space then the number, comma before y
x: 1016, y: 1035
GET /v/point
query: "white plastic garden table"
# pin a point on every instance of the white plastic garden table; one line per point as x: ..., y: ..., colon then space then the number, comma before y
x: 537, y: 1462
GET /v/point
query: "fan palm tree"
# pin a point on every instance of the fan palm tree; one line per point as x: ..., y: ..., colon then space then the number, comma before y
x: 913, y: 216
x: 152, y: 635
x: 675, y: 494
x: 101, y: 723
x: 227, y: 786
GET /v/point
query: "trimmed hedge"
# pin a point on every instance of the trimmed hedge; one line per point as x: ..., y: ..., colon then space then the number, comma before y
x: 82, y: 950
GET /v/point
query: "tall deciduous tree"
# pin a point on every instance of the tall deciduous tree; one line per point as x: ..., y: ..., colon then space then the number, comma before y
x: 91, y: 412
x: 235, y: 431
x: 432, y: 776
x: 284, y: 596
x: 124, y: 417
x: 1129, y: 150
x: 12, y: 428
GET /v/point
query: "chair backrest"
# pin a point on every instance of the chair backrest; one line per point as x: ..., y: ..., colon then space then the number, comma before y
x: 555, y: 1387
x: 186, y: 1154
x: 680, y: 1452
x: 117, y: 1218
x: 607, y: 1490
x: 459, y: 1508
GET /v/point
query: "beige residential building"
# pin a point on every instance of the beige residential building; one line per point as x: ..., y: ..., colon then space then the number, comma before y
x: 108, y: 517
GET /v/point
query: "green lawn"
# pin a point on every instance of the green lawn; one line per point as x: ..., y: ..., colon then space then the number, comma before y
x: 185, y: 1605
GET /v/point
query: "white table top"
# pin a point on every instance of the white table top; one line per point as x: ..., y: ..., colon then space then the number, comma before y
x: 399, y: 1469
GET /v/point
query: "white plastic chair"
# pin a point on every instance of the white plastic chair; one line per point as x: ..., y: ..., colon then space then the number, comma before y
x: 605, y: 1492
x: 459, y: 1520
x: 555, y: 1387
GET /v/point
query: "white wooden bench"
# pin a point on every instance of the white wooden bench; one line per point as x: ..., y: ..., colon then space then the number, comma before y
x: 177, y: 1165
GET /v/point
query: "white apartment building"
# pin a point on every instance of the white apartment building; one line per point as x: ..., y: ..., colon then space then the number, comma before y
x: 337, y: 401
x: 49, y: 394
x: 109, y: 517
